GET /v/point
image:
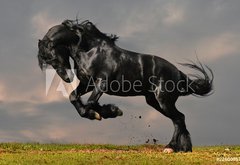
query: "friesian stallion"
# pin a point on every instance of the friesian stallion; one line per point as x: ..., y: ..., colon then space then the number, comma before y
x: 103, y: 67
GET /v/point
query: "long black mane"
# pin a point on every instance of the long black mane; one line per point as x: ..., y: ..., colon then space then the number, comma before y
x: 90, y: 30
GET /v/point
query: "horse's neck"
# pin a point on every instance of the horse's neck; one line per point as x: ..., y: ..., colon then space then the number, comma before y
x: 105, y: 45
x: 82, y: 59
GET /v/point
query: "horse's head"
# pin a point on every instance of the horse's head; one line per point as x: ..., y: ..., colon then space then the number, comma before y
x: 54, y: 50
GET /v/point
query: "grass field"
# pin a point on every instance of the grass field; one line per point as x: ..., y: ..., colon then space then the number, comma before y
x: 18, y: 153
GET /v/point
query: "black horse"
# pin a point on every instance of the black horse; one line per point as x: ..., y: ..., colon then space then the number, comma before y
x: 103, y: 67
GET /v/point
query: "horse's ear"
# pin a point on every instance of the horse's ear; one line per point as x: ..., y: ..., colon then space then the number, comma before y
x: 89, y: 26
x: 68, y: 23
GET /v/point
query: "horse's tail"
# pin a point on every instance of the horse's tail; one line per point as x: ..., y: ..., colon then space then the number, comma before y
x: 200, y: 85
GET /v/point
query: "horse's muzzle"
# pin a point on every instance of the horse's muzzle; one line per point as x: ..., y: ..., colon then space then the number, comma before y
x: 66, y: 74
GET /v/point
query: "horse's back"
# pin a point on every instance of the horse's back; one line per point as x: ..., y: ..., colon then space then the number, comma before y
x: 159, y: 67
x: 142, y: 71
x: 144, y: 66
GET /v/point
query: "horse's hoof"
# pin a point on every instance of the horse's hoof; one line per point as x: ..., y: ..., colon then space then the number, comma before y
x: 115, y: 110
x: 93, y: 115
x: 97, y: 116
x: 168, y: 150
x: 119, y: 112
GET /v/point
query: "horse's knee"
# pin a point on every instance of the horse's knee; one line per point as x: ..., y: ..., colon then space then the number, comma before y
x: 82, y: 112
x: 92, y: 115
x: 89, y: 113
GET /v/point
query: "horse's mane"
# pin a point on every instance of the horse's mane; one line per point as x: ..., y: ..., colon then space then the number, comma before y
x: 91, y: 30
x: 112, y: 37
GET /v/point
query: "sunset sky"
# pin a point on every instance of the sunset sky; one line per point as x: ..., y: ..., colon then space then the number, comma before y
x: 176, y: 30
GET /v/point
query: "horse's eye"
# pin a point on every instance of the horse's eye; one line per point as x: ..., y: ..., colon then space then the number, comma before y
x: 50, y: 45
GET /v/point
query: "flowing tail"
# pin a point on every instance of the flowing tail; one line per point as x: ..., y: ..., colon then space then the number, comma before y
x: 200, y: 85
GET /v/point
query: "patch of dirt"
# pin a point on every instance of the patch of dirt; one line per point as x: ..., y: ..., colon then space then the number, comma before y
x: 2, y: 151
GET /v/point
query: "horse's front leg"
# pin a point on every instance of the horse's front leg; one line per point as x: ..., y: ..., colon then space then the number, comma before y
x: 75, y: 99
x: 106, y: 111
x: 99, y: 87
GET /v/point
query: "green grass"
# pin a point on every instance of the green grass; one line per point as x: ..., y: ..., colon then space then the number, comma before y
x: 34, y: 153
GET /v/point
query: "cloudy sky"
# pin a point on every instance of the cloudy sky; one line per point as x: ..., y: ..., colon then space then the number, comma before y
x: 173, y: 29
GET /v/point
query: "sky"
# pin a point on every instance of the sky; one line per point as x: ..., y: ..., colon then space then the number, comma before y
x: 176, y: 30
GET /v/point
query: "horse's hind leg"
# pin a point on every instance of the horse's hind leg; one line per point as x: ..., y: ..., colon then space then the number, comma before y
x: 181, y: 140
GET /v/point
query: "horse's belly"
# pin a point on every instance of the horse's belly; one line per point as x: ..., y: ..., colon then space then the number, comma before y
x: 124, y: 94
x: 125, y: 88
